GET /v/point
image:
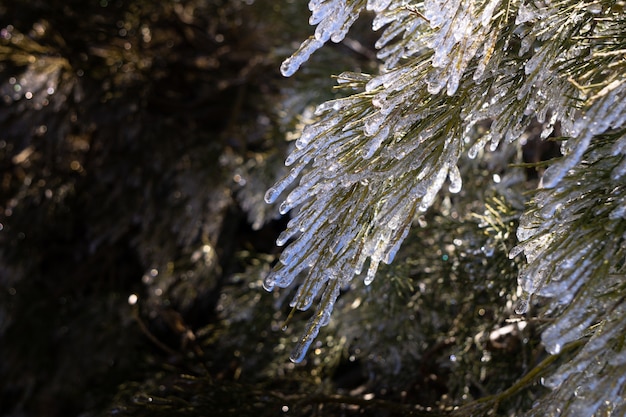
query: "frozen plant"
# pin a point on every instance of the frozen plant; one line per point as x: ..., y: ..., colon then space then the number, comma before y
x: 378, y: 157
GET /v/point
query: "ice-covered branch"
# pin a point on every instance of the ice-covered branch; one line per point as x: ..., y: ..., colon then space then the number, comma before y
x: 373, y: 159
x: 333, y: 19
x: 573, y: 238
x: 367, y: 179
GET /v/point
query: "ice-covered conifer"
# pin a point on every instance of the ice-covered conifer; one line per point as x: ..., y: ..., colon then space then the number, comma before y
x: 376, y: 158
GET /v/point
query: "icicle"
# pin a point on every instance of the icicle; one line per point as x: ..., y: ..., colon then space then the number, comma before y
x: 317, y: 321
x: 388, y: 34
x: 385, y: 79
x: 340, y: 103
x: 476, y: 147
x: 373, y: 123
x: 554, y: 173
x: 284, y: 236
x: 312, y: 131
x: 308, y: 291
x: 456, y: 182
x: 433, y: 189
x: 271, y: 195
x: 269, y: 283
x: 358, y: 266
x: 391, y: 252
x: 307, y: 188
x: 319, y: 10
x: 374, y: 144
x: 488, y: 50
x: 516, y: 250
x: 296, y: 155
x: 273, y: 192
x: 371, y: 271
x: 522, y: 304
x: 339, y: 244
x: 339, y: 34
x: 277, y: 278
x: 287, y: 255
x: 291, y: 64
x: 296, y: 249
x: 549, y: 127
x: 377, y: 5
x: 548, y: 211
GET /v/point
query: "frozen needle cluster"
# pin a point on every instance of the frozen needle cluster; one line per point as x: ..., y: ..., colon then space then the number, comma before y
x: 379, y: 156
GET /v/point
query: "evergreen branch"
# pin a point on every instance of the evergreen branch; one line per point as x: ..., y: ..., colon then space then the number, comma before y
x: 490, y: 403
x: 376, y: 158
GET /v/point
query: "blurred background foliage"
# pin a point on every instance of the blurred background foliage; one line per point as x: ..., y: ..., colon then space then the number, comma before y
x: 137, y: 139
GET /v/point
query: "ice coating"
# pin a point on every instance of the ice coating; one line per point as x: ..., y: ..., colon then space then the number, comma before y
x: 333, y: 19
x: 456, y: 182
x: 378, y: 5
x: 565, y: 257
x: 293, y: 63
x: 319, y: 319
x: 382, y: 154
x: 457, y: 39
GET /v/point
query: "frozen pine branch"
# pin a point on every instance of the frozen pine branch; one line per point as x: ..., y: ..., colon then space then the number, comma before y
x: 364, y: 187
x: 573, y: 238
x: 379, y: 156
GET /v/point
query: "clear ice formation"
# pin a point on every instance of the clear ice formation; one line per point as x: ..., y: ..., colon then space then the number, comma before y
x: 374, y: 159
